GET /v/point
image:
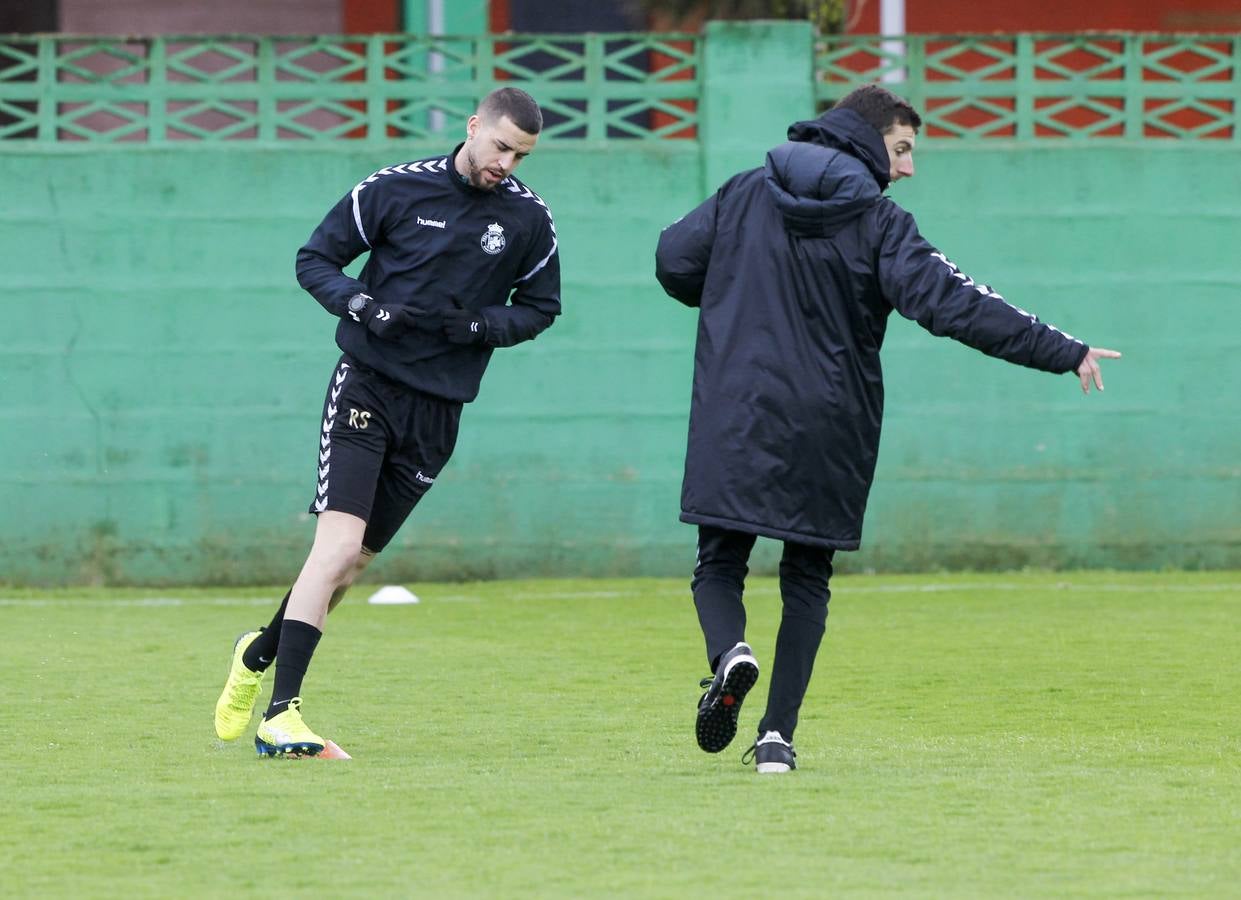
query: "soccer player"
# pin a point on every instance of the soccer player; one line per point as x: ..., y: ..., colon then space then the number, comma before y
x: 462, y: 259
x: 795, y: 267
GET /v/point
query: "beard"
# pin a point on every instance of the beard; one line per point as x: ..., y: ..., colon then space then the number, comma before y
x: 476, y: 172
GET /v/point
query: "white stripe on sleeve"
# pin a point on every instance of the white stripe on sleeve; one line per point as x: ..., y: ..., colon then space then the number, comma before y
x: 357, y: 214
x: 542, y: 262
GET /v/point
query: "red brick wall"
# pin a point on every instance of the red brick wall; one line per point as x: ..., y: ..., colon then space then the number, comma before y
x: 948, y: 16
x: 217, y: 17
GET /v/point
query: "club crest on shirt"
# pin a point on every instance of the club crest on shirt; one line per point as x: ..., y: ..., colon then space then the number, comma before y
x: 493, y: 239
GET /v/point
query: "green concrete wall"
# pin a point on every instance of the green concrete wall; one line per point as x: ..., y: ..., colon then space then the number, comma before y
x: 985, y: 464
x: 162, y: 372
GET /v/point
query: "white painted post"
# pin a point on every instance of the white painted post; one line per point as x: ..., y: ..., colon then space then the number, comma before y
x: 892, y: 24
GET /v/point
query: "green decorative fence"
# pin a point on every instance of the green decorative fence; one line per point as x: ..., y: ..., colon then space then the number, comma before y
x: 1032, y: 86
x: 166, y: 89
x: 598, y: 87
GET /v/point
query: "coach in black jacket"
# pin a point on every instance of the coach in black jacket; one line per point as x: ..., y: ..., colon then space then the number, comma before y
x: 795, y: 268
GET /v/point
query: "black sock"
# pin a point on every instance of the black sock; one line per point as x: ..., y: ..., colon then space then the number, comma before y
x: 262, y: 650
x: 297, y: 645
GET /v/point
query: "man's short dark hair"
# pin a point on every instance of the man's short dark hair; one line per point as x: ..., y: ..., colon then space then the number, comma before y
x: 880, y: 107
x: 514, y: 103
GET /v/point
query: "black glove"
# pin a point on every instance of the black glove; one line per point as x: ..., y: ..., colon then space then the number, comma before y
x: 392, y: 322
x: 416, y: 319
x: 382, y: 321
x: 465, y: 326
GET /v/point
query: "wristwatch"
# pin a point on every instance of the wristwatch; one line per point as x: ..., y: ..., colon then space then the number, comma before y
x: 357, y: 305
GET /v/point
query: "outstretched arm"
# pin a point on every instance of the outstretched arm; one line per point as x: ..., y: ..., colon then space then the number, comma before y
x: 923, y: 285
x: 1089, y: 369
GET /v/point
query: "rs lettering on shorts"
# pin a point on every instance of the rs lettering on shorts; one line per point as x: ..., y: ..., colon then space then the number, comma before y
x: 359, y: 418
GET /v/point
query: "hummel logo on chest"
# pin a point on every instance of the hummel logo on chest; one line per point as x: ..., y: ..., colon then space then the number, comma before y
x: 434, y: 223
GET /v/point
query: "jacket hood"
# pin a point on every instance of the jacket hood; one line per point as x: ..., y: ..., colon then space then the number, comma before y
x: 818, y: 189
x: 845, y: 130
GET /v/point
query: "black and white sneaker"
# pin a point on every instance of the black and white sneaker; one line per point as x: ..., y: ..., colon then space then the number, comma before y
x: 771, y: 754
x: 718, y: 707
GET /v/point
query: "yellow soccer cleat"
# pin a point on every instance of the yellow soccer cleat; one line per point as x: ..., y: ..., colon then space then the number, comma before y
x: 286, y: 734
x: 236, y: 703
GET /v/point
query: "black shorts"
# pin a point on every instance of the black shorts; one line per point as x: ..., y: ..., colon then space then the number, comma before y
x: 381, y: 447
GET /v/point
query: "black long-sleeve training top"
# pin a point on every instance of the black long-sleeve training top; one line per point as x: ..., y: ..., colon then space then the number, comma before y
x: 436, y: 243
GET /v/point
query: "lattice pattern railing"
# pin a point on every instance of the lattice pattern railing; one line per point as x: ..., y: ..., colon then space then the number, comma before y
x: 163, y: 89
x: 596, y: 87
x: 1050, y: 86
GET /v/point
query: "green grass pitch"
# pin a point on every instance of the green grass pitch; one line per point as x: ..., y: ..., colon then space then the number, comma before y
x: 964, y: 736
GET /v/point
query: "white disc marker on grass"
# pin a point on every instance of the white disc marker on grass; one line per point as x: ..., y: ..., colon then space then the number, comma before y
x: 392, y: 595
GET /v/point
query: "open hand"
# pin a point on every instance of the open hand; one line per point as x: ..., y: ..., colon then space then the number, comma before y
x: 1089, y: 369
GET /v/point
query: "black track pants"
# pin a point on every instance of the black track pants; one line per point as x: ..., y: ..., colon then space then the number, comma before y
x: 718, y: 586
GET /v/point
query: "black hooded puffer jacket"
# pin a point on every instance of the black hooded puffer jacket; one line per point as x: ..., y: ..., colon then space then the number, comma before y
x: 795, y: 268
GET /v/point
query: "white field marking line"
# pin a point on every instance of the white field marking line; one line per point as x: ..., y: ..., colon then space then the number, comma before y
x: 265, y: 601
x: 1009, y: 586
x: 530, y: 595
x: 570, y: 595
x: 149, y: 602
x: 611, y: 595
x: 139, y: 601
x: 182, y: 601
